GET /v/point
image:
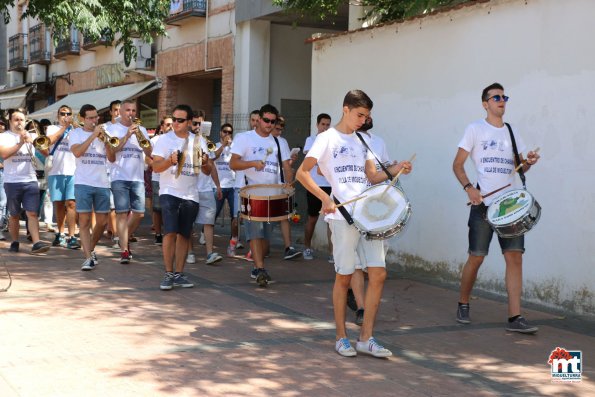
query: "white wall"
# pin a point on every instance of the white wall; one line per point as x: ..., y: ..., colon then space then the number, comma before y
x: 425, y: 77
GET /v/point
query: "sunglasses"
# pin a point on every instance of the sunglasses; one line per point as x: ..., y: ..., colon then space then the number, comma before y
x: 195, y: 123
x: 498, y: 98
x: 179, y: 120
x: 65, y: 114
x: 268, y: 121
x: 227, y: 131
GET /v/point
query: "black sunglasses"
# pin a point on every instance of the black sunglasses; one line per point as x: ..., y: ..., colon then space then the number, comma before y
x: 179, y: 120
x: 65, y: 114
x: 268, y: 121
x: 195, y: 123
x: 227, y: 131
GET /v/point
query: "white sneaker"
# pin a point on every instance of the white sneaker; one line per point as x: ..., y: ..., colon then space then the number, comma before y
x: 213, y: 257
x: 116, y: 242
x: 201, y: 240
x: 344, y: 348
x: 373, y: 348
x: 191, y: 258
x: 308, y: 254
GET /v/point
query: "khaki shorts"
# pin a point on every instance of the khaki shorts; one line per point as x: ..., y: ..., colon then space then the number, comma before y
x: 350, y: 248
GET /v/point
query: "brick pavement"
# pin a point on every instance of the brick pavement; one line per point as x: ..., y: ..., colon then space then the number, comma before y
x: 112, y: 332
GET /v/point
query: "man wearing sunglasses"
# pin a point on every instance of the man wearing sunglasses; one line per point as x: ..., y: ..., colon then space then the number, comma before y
x: 487, y: 142
x: 62, y: 165
x: 256, y: 153
x: 127, y: 174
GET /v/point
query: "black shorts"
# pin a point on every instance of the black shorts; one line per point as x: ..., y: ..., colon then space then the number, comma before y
x: 315, y: 205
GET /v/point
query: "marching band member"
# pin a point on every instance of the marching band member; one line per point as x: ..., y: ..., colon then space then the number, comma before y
x: 89, y: 145
x: 486, y: 140
x: 20, y: 180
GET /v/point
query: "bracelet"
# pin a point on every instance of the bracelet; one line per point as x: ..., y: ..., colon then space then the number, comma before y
x: 467, y: 186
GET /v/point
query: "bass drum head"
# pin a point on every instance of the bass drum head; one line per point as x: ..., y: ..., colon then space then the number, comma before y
x: 382, y: 213
x: 510, y: 207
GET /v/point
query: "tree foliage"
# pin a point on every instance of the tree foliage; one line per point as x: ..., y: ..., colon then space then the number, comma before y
x: 385, y: 10
x: 123, y: 19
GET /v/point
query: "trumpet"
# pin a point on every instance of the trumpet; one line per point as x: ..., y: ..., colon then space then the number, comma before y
x: 211, y: 147
x: 42, y: 142
x: 105, y: 138
x: 142, y: 141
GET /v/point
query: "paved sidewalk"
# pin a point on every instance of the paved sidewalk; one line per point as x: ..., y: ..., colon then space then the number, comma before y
x: 112, y: 332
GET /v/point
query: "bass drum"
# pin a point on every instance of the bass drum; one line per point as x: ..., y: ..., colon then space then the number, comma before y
x: 266, y: 203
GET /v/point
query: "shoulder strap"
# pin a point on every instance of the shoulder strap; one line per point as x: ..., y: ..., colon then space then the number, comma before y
x: 361, y: 138
x: 279, y: 158
x: 60, y: 140
x: 517, y: 158
x: 344, y: 212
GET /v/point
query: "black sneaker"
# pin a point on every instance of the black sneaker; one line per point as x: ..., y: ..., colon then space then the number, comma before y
x: 291, y: 253
x: 351, y: 303
x: 14, y: 246
x: 521, y: 325
x: 158, y: 239
x: 463, y: 313
x: 40, y: 247
x: 359, y: 317
x: 261, y: 278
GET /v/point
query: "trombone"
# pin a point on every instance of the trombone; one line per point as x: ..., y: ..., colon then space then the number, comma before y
x: 105, y: 138
x: 142, y: 141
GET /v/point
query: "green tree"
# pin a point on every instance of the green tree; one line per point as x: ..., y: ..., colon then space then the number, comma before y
x: 386, y: 10
x: 124, y: 19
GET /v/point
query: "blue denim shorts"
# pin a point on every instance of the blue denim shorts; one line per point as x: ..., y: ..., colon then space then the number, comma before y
x: 206, y: 211
x: 91, y: 198
x: 257, y: 230
x: 178, y: 214
x: 22, y: 193
x: 229, y: 195
x: 61, y: 187
x: 480, y: 234
x: 155, y: 188
x: 129, y: 196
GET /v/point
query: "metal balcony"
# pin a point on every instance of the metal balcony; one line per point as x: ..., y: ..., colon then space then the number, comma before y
x: 187, y: 9
x: 39, y: 45
x: 104, y: 40
x: 17, y: 53
x: 69, y: 45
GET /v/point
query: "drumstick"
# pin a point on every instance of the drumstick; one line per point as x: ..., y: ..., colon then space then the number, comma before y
x: 269, y: 151
x: 349, y: 201
x: 524, y: 161
x: 492, y: 192
x: 396, y: 178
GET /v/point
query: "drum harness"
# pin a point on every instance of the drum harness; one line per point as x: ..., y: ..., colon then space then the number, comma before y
x: 517, y: 159
x: 342, y: 209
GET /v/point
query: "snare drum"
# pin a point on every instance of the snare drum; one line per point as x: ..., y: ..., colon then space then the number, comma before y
x: 513, y: 213
x: 380, y: 215
x: 266, y: 203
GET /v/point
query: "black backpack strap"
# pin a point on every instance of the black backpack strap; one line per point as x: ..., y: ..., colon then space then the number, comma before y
x: 279, y: 158
x: 343, y: 212
x: 361, y: 138
x: 517, y: 158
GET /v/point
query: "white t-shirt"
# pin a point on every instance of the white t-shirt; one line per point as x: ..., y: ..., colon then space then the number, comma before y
x: 250, y: 146
x: 319, y: 179
x: 184, y: 186
x: 240, y: 181
x: 342, y: 157
x: 490, y: 149
x: 227, y: 177
x: 129, y: 164
x: 155, y: 175
x: 64, y: 162
x: 91, y: 167
x: 18, y: 167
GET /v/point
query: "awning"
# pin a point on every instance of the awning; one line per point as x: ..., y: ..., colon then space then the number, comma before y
x: 98, y: 98
x: 14, y: 97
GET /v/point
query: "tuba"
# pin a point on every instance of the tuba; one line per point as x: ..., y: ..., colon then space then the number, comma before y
x: 142, y: 141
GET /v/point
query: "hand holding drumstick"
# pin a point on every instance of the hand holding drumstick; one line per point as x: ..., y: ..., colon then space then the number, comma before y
x: 406, y: 168
x: 344, y: 203
x: 532, y: 158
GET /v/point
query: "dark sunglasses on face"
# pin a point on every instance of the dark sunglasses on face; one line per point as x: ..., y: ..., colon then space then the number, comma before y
x: 65, y: 114
x: 227, y: 131
x: 268, y: 121
x: 498, y: 98
x: 195, y: 123
x: 179, y: 120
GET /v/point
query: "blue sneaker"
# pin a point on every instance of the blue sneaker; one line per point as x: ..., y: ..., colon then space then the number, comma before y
x: 168, y: 281
x: 59, y: 240
x: 73, y: 243
x: 180, y: 280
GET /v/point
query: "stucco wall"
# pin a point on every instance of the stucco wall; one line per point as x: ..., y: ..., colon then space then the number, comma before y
x: 425, y: 77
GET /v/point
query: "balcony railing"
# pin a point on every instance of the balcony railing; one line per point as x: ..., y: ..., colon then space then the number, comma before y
x: 186, y: 9
x: 104, y: 40
x: 17, y: 52
x: 68, y: 45
x: 39, y: 45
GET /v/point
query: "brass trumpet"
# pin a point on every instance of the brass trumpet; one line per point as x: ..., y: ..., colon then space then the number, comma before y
x: 106, y: 138
x: 142, y: 141
x: 211, y: 147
